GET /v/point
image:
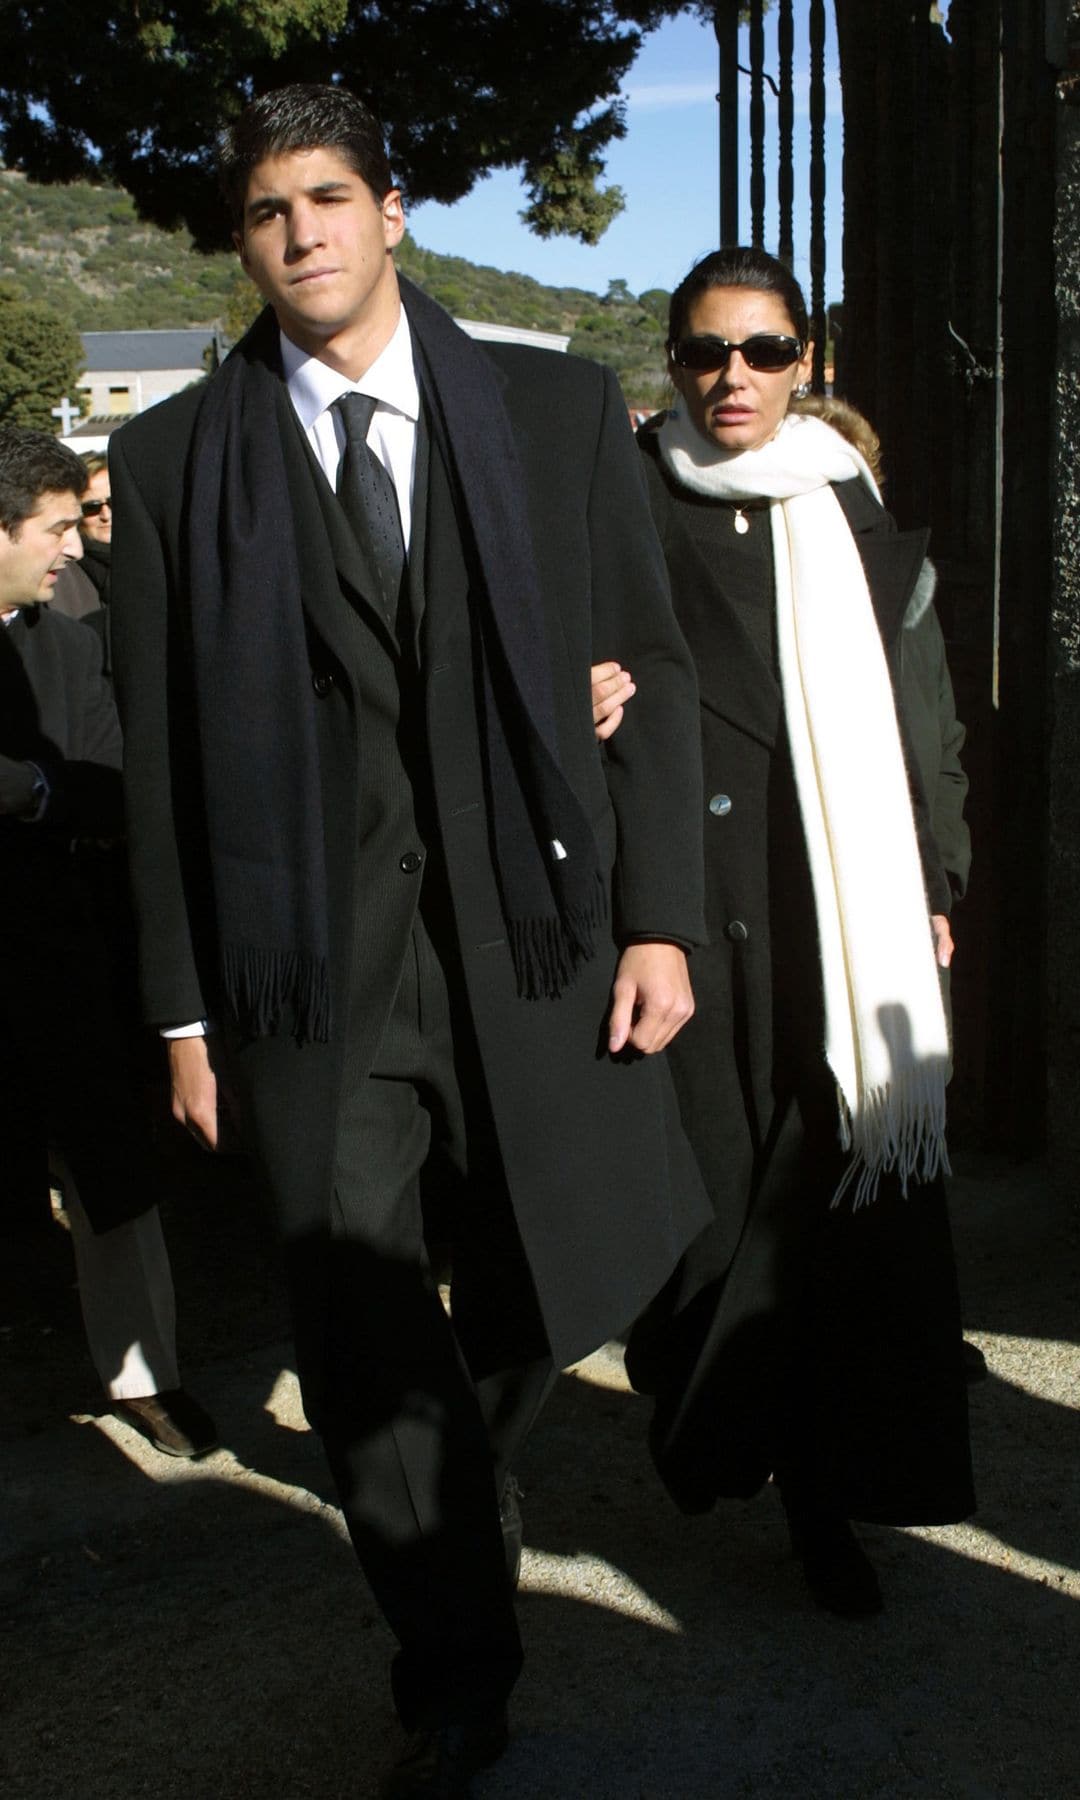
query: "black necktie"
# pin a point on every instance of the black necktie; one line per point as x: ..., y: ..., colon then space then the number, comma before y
x: 370, y: 501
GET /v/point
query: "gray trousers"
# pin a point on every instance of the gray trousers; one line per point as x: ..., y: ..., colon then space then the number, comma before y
x: 127, y: 1299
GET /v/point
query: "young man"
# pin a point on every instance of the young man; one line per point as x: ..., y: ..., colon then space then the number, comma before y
x: 358, y: 580
x: 62, y: 1043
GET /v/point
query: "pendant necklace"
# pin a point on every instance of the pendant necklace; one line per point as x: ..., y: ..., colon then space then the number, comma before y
x: 740, y: 521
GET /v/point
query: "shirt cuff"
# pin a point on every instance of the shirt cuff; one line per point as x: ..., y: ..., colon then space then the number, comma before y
x: 198, y: 1028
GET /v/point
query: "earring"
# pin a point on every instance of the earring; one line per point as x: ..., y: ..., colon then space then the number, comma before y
x: 802, y: 390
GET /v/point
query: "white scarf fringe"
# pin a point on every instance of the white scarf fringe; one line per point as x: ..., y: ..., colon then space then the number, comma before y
x: 886, y: 1041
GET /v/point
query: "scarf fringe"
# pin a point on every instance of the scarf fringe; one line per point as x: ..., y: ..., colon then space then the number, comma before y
x: 900, y: 1130
x: 264, y: 987
x: 547, y: 952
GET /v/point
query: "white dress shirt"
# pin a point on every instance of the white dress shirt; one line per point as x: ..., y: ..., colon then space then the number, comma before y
x: 391, y: 381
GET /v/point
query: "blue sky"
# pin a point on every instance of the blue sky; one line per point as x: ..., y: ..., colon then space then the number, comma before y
x: 667, y: 168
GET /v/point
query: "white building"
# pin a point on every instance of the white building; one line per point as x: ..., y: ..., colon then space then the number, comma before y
x: 513, y: 334
x: 127, y: 371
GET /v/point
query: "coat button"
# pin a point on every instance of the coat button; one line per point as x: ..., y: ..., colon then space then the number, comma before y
x: 737, y: 931
x: 720, y: 804
x: 322, y: 681
x: 410, y: 862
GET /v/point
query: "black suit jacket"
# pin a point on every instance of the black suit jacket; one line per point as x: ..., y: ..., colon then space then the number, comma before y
x: 65, y: 1074
x: 58, y: 711
x: 604, y: 1190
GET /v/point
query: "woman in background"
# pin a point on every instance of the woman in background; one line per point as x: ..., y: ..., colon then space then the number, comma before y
x: 82, y: 588
x: 812, y: 1334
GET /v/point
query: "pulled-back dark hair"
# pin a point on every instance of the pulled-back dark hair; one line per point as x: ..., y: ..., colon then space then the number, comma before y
x: 33, y: 463
x: 306, y: 115
x: 738, y: 266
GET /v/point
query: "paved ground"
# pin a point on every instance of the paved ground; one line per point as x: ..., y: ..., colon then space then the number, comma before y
x: 202, y: 1632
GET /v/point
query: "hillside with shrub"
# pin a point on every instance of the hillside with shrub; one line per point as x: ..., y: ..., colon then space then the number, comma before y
x: 82, y: 251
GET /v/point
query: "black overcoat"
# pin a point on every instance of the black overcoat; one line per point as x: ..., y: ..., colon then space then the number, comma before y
x: 67, y: 1074
x: 605, y: 1191
x: 82, y: 592
x: 788, y: 1320
x: 937, y: 736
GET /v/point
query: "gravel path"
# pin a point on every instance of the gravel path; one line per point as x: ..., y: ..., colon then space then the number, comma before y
x: 201, y: 1631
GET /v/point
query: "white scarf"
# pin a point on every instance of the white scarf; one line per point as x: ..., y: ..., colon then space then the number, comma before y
x: 885, y: 1035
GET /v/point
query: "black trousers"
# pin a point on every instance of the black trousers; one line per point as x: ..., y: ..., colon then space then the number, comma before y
x: 420, y: 1416
x: 68, y: 1074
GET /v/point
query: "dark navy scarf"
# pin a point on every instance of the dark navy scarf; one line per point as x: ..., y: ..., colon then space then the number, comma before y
x: 255, y: 706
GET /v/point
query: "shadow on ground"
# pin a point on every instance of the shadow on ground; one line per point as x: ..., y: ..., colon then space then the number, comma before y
x: 203, y: 1632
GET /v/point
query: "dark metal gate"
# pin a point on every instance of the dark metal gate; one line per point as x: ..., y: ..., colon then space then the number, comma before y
x: 945, y: 340
x: 948, y: 343
x: 728, y: 15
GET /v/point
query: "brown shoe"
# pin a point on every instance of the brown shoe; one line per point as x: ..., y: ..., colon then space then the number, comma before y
x: 173, y: 1422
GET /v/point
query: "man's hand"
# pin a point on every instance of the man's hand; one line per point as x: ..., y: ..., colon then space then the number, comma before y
x: 651, y: 998
x: 943, y: 941
x: 16, y: 787
x: 194, y: 1089
x: 611, y: 689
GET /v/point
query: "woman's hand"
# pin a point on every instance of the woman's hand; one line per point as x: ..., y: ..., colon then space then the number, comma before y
x: 611, y: 689
x: 943, y: 940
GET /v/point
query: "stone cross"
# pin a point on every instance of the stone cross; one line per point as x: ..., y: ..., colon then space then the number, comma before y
x: 67, y: 414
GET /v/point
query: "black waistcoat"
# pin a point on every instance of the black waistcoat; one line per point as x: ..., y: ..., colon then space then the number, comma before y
x: 388, y: 813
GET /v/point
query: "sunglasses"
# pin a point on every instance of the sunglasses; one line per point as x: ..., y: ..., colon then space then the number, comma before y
x: 767, y: 350
x: 91, y: 508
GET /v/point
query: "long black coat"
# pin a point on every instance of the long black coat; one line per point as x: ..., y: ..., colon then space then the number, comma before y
x: 67, y: 1074
x: 790, y: 1329
x: 604, y: 1189
x: 937, y: 736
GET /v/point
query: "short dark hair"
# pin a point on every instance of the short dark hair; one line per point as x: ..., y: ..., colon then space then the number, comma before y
x: 33, y: 463
x: 738, y: 265
x: 306, y: 115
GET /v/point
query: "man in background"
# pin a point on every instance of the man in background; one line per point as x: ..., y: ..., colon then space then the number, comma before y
x: 67, y: 1081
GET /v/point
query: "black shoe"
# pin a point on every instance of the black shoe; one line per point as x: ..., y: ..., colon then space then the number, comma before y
x: 441, y: 1760
x: 173, y: 1422
x: 513, y: 1527
x: 838, y: 1571
x: 974, y: 1362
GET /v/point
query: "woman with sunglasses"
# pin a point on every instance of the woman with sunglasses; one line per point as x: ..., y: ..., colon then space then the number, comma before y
x: 82, y: 588
x: 812, y: 1334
